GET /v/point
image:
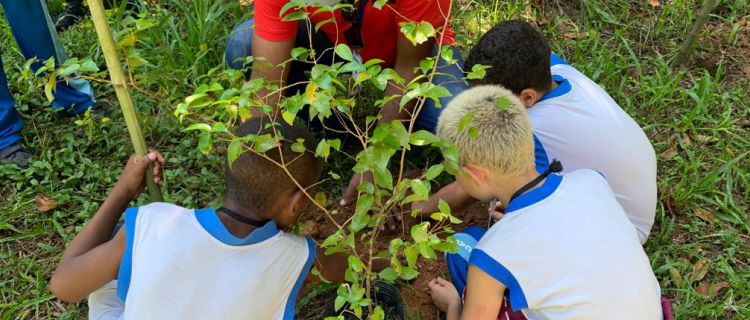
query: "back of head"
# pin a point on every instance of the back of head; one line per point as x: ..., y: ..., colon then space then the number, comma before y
x: 518, y: 54
x: 505, y: 143
x: 255, y: 182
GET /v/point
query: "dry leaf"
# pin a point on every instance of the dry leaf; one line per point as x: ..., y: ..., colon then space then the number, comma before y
x: 44, y: 203
x: 576, y: 35
x: 321, y: 199
x: 710, y: 290
x: 671, y: 205
x: 669, y: 154
x: 706, y: 139
x: 654, y: 3
x: 744, y: 122
x: 686, y: 142
x: 705, y: 215
x: 309, y: 228
x: 541, y: 21
x: 699, y: 271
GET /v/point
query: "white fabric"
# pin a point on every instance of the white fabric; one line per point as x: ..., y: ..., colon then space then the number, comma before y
x: 180, y: 271
x: 585, y: 129
x: 104, y: 303
x: 575, y: 255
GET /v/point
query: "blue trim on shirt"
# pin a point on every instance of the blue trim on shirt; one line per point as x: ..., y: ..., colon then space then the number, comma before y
x: 540, y: 155
x: 211, y: 223
x: 126, y: 264
x: 535, y: 195
x: 496, y: 270
x: 563, y: 87
x: 292, y: 301
x: 555, y: 60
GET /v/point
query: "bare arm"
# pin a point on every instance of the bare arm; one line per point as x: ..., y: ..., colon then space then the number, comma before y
x: 456, y: 197
x: 91, y: 260
x: 271, y: 54
x: 333, y: 267
x: 484, y: 297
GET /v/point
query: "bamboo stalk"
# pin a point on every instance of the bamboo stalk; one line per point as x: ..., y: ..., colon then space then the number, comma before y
x: 697, y: 27
x: 121, y: 89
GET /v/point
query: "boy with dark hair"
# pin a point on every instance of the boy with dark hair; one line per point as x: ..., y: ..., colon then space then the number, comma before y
x: 564, y: 250
x: 572, y: 118
x: 170, y: 262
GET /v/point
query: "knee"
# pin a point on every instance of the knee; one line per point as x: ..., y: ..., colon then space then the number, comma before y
x: 239, y: 44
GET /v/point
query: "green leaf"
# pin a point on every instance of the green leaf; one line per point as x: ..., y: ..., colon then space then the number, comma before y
x: 434, y: 171
x: 426, y: 251
x: 234, y: 150
x: 198, y: 126
x: 478, y: 71
x: 420, y: 187
x: 205, y: 143
x: 323, y: 149
x: 351, y: 67
x: 89, y: 66
x: 355, y: 264
x: 411, y: 255
x: 388, y: 274
x: 473, y: 132
x: 419, y: 233
x: 422, y: 137
x: 69, y: 70
x: 383, y: 178
x: 299, y: 146
x: 300, y: 51
x: 339, y: 303
x: 409, y: 273
x: 219, y: 127
x: 502, y: 103
x: 444, y: 207
x: 378, y: 314
x: 466, y: 120
x: 297, y: 15
x: 264, y: 143
x: 334, y: 239
x: 288, y: 117
x: 344, y: 52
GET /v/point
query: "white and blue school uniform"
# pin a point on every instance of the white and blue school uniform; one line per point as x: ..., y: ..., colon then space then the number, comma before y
x: 582, y: 126
x: 182, y: 263
x: 566, y: 250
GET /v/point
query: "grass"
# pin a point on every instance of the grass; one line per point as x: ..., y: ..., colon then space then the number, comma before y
x: 696, y: 117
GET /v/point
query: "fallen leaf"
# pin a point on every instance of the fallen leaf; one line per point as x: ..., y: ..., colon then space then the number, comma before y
x: 706, y: 139
x: 676, y: 277
x: 576, y: 35
x: 700, y: 270
x: 744, y: 122
x: 686, y: 142
x: 705, y: 215
x: 321, y: 199
x: 671, y: 205
x: 669, y: 154
x: 654, y: 3
x: 309, y: 228
x: 710, y: 290
x: 44, y: 203
x: 541, y: 21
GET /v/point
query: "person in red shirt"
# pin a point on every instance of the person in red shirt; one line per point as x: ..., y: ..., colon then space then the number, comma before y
x: 371, y: 32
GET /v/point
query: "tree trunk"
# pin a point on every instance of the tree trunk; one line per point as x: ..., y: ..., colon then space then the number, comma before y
x: 697, y: 27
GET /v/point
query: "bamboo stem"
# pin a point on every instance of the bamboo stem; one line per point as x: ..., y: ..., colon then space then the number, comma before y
x: 121, y: 89
x: 697, y: 27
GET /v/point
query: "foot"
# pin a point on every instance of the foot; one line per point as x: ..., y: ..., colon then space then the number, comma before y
x: 70, y: 16
x: 16, y: 153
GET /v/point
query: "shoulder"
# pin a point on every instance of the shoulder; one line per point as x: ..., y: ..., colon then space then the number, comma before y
x: 585, y: 176
x: 159, y: 208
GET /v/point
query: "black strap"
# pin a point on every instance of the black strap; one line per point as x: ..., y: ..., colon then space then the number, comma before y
x: 243, y: 219
x: 554, y: 167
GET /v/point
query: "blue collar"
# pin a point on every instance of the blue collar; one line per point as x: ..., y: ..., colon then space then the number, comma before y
x: 535, y: 195
x: 211, y: 223
x: 563, y: 87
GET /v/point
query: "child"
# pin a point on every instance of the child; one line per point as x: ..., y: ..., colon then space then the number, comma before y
x: 565, y: 248
x: 169, y: 262
x: 572, y: 119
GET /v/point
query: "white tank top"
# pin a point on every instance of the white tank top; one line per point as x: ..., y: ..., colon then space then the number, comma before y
x: 182, y: 271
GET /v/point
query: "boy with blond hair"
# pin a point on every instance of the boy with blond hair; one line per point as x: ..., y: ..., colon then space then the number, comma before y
x: 572, y: 118
x: 565, y: 248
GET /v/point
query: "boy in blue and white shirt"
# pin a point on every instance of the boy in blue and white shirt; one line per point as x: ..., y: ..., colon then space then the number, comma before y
x: 565, y: 248
x: 170, y: 262
x: 573, y: 120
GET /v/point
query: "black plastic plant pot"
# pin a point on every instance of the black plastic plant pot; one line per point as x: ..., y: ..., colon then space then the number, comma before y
x: 383, y: 294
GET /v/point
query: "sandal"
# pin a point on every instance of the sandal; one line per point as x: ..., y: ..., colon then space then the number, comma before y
x: 16, y: 153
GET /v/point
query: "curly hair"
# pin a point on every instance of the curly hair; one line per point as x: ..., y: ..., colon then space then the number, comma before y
x: 518, y: 56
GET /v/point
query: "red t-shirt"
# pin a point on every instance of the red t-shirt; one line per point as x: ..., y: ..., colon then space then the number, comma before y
x: 379, y: 30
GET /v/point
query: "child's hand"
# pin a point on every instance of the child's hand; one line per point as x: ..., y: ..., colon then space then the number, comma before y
x: 132, y: 181
x: 444, y: 294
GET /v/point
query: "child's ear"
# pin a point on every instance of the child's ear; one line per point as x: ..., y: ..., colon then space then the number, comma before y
x: 477, y: 176
x: 529, y: 97
x: 297, y: 202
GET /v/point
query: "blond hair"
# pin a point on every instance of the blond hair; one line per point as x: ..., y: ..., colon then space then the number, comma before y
x: 504, y: 143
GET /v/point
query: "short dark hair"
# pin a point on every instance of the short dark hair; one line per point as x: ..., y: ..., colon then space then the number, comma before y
x: 252, y: 181
x: 518, y: 54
